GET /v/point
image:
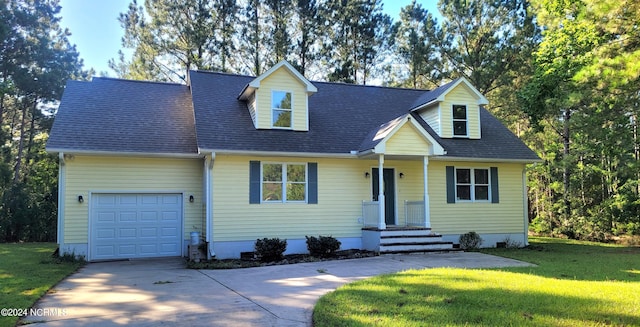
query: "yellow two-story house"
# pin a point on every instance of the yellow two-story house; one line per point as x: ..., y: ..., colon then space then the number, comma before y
x: 233, y: 158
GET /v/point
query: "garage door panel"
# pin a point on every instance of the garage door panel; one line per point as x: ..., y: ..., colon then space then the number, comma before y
x: 168, y: 216
x: 149, y: 216
x: 127, y: 199
x: 169, y: 232
x: 147, y: 232
x: 168, y: 248
x: 128, y: 216
x: 135, y: 226
x: 127, y: 233
x: 106, y: 216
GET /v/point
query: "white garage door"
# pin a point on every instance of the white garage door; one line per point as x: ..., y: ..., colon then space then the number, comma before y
x: 135, y: 226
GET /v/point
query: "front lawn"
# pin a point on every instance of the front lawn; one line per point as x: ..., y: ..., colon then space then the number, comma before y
x: 27, y: 271
x: 575, y: 284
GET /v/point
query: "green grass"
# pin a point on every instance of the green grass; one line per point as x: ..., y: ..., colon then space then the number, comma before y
x: 27, y: 271
x: 575, y: 284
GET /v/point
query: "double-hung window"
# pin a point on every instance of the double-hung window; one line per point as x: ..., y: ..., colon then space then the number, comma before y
x: 281, y: 109
x: 460, y: 120
x: 282, y: 182
x: 472, y: 184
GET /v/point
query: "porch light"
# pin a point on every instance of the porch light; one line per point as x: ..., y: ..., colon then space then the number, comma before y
x: 80, y: 198
x: 191, y: 198
x: 401, y: 175
x: 366, y: 174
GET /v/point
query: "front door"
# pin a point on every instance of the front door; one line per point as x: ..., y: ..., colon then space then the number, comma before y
x: 389, y: 193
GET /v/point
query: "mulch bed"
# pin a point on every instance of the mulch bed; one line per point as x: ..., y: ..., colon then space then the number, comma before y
x: 252, y: 261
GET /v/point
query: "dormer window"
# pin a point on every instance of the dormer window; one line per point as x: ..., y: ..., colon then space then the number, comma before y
x: 281, y: 109
x: 460, y: 121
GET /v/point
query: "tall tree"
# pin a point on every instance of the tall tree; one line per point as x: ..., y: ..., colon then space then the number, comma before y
x: 225, y: 13
x: 279, y: 14
x: 414, y: 38
x: 485, y: 41
x: 584, y: 92
x: 355, y: 32
x: 306, y: 33
x: 176, y: 37
x: 37, y: 59
x: 252, y: 34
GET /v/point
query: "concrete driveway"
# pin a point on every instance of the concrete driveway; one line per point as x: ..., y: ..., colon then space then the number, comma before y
x: 163, y: 292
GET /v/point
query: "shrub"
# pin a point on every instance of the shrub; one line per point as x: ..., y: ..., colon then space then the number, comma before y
x: 470, y: 241
x: 270, y: 249
x: 322, y: 246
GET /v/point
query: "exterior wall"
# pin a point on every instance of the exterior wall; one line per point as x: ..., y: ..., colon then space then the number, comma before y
x: 505, y: 217
x: 86, y: 175
x: 432, y: 117
x: 251, y: 104
x: 342, y: 187
x: 407, y: 141
x: 460, y: 95
x: 282, y: 80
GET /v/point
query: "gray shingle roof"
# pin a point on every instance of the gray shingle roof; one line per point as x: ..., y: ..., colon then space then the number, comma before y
x: 113, y: 115
x: 128, y: 116
x: 429, y: 96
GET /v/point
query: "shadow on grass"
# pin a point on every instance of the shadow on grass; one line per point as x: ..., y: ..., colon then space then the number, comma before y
x: 391, y: 301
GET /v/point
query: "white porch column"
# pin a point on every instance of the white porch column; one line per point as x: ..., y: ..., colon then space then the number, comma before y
x: 427, y: 211
x: 381, y: 209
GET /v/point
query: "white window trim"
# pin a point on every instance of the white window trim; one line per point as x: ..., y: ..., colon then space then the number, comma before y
x: 466, y: 120
x: 284, y: 182
x: 272, y: 109
x: 472, y: 185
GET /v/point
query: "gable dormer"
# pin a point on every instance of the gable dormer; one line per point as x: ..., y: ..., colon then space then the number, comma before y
x: 278, y: 99
x: 453, y: 110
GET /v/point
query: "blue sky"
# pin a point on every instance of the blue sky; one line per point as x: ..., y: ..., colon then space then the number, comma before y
x: 96, y: 32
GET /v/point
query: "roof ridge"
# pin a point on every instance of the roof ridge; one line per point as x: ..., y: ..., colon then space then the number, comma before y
x: 210, y: 72
x: 116, y: 79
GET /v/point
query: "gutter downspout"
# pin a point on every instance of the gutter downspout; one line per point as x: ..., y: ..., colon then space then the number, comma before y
x: 525, y: 205
x: 208, y: 202
x: 61, y: 196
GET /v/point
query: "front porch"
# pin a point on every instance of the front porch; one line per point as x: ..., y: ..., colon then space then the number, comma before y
x: 410, y: 235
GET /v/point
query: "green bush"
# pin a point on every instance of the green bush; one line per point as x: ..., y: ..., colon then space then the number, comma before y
x: 270, y: 249
x: 470, y: 241
x: 322, y: 246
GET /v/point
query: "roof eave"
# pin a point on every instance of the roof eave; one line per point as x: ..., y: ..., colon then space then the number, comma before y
x: 471, y: 159
x: 124, y: 153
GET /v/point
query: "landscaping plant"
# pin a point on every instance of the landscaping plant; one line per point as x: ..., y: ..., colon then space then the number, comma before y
x: 270, y: 249
x: 322, y: 246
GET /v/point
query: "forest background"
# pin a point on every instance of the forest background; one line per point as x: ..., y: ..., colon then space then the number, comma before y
x: 561, y: 74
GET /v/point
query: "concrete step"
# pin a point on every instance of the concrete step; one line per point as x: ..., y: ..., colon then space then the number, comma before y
x: 416, y: 247
x: 406, y: 232
x: 410, y: 239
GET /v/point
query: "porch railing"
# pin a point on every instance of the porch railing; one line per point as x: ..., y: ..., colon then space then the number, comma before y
x: 370, y: 213
x: 414, y: 213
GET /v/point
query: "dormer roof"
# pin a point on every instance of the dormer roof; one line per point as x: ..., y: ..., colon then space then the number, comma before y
x: 255, y: 83
x: 438, y: 94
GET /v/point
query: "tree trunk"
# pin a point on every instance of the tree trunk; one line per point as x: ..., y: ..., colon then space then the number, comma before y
x: 566, y: 174
x: 18, y: 165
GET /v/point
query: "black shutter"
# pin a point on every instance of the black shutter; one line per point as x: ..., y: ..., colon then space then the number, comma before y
x: 254, y: 182
x: 451, y: 185
x: 495, y: 195
x: 312, y: 197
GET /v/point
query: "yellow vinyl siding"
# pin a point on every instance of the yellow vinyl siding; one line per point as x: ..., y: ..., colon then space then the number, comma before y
x: 342, y: 187
x: 251, y: 103
x: 85, y: 175
x: 282, y: 80
x: 457, y: 218
x: 462, y: 95
x: 432, y: 117
x: 407, y: 141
